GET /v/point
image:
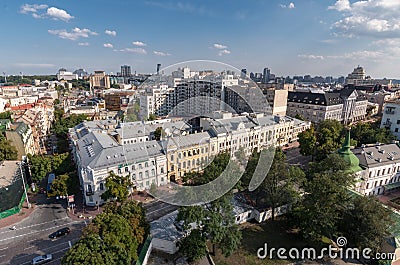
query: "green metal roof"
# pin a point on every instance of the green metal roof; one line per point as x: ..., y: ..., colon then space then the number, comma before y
x: 392, y: 186
x: 348, y: 155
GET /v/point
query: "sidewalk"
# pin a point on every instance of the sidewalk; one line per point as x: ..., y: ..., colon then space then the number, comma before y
x: 18, y: 217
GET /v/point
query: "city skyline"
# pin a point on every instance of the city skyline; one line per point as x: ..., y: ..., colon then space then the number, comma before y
x: 327, y: 38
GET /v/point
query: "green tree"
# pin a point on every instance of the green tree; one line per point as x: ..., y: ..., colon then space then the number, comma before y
x: 158, y: 133
x: 279, y: 185
x: 59, y: 186
x: 116, y: 187
x: 193, y: 246
x: 308, y: 141
x: 7, y: 151
x: 366, y: 223
x: 5, y: 115
x: 299, y: 117
x: 326, y: 197
x: 152, y: 117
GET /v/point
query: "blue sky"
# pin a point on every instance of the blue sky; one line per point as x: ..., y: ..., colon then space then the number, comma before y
x: 317, y: 37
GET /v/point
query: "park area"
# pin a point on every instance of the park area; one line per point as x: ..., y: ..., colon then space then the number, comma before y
x: 274, y: 233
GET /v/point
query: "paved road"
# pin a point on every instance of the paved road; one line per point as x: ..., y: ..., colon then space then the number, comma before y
x: 294, y: 158
x: 31, y: 237
x: 157, y: 209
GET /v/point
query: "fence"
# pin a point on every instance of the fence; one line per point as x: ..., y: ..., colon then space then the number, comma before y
x: 12, y: 196
x: 145, y: 252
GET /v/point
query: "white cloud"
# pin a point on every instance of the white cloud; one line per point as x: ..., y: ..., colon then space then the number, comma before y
x: 133, y: 50
x: 58, y: 14
x: 161, y: 53
x: 41, y: 65
x: 111, y: 32
x: 74, y: 34
x: 222, y: 52
x: 139, y: 43
x: 83, y: 44
x: 311, y: 56
x: 51, y: 12
x: 341, y: 5
x: 182, y: 6
x: 356, y: 56
x: 26, y: 8
x: 220, y: 46
x: 290, y: 5
x: 376, y: 18
x: 108, y: 45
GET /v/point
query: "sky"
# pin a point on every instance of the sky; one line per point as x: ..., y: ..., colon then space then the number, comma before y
x: 299, y: 37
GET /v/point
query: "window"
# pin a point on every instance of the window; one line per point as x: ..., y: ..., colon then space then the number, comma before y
x: 396, y: 130
x: 147, y: 183
x: 146, y: 164
x: 398, y: 121
x: 238, y: 219
x: 140, y: 166
x: 379, y: 172
x: 140, y: 175
x: 133, y: 167
x: 172, y: 168
x: 119, y: 171
x: 162, y: 179
x: 101, y: 186
x: 172, y: 157
x: 383, y: 171
x: 146, y: 173
x: 370, y: 173
x: 184, y: 164
x: 367, y: 185
x: 153, y: 172
x: 153, y: 162
x: 133, y: 176
x: 90, y: 188
x: 162, y: 170
x: 126, y: 169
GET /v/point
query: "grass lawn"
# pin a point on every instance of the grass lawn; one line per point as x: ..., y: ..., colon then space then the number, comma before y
x: 254, y: 236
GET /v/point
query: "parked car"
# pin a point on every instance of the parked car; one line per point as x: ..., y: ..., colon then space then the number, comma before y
x: 62, y: 232
x: 42, y: 259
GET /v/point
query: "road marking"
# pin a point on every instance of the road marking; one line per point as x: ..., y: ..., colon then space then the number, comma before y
x: 29, y: 226
x: 29, y: 247
x: 169, y: 205
x: 2, y: 256
x: 3, y: 248
x: 32, y: 240
x: 34, y: 232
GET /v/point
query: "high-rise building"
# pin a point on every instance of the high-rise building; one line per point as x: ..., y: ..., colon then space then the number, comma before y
x: 266, y: 75
x: 99, y: 79
x: 126, y: 70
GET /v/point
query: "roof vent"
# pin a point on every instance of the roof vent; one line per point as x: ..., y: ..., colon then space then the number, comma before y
x: 363, y: 145
x: 108, y: 157
x: 379, y: 160
x: 391, y: 158
x: 381, y: 151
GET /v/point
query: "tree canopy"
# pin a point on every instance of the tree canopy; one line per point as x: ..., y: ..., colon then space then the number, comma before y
x: 116, y: 187
x: 113, y: 237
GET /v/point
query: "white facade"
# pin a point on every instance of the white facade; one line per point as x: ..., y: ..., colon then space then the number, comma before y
x: 391, y: 117
x: 381, y: 164
x: 65, y: 75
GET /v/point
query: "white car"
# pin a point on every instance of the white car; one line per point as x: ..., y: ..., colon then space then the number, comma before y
x: 42, y: 259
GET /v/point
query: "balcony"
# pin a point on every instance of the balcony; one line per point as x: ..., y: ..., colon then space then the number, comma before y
x: 89, y: 193
x: 389, y: 111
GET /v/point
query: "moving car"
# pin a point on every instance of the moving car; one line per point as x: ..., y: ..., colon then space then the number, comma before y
x: 62, y: 232
x: 42, y: 259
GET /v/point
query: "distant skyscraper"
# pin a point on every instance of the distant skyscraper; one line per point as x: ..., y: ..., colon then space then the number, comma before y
x: 125, y: 70
x: 158, y: 68
x: 243, y: 73
x: 266, y: 75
